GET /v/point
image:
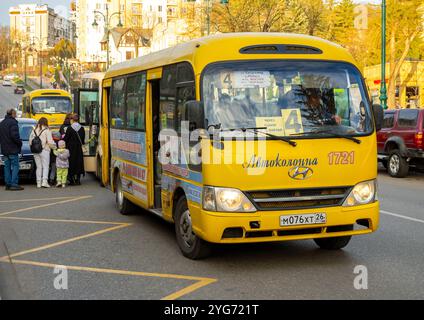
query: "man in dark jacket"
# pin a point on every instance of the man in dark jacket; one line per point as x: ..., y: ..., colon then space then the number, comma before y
x: 10, y: 145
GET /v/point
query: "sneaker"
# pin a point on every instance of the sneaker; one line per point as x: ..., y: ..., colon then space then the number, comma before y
x: 45, y: 185
x: 7, y: 187
x: 16, y: 188
x: 58, y: 185
x: 38, y: 184
x: 63, y: 186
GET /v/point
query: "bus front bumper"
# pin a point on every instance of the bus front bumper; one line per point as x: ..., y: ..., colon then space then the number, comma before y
x: 264, y: 226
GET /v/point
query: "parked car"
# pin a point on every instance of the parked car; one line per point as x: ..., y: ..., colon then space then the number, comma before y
x: 26, y: 158
x: 7, y: 83
x: 400, y: 141
x: 20, y: 89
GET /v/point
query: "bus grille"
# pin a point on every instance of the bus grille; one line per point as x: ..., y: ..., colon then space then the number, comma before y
x: 298, y: 198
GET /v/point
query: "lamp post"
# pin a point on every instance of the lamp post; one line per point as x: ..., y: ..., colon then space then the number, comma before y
x: 40, y: 59
x: 107, y: 19
x: 383, y: 88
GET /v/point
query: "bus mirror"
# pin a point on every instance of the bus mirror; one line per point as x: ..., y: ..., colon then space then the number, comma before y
x: 195, y: 114
x: 378, y: 116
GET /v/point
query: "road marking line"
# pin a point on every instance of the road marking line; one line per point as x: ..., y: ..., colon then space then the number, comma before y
x: 201, y: 281
x: 45, y: 205
x: 39, y: 199
x: 189, y: 289
x: 63, y: 220
x: 401, y: 216
x: 59, y: 243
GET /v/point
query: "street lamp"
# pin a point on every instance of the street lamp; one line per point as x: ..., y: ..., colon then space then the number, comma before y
x: 40, y: 59
x: 383, y: 88
x: 107, y: 19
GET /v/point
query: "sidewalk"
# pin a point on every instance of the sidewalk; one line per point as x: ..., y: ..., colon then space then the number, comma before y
x: 34, y: 82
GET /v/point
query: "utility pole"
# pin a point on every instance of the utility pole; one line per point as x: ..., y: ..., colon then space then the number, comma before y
x: 383, y: 88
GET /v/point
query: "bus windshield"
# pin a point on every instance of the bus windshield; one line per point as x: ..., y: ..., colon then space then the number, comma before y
x: 288, y: 98
x: 51, y: 105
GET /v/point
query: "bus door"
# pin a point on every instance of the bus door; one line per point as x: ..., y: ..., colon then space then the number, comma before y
x: 153, y: 77
x: 86, y: 105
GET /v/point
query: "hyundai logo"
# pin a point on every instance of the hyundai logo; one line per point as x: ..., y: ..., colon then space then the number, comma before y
x: 300, y: 173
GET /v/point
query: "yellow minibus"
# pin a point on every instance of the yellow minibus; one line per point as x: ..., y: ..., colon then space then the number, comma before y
x: 52, y: 104
x: 241, y: 138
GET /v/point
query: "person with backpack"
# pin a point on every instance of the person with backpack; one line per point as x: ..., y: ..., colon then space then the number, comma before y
x: 11, y: 144
x: 41, y: 142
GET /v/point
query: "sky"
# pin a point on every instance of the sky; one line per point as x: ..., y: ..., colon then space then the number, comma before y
x: 5, y: 4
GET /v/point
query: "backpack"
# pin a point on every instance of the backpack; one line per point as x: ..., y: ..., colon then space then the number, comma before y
x: 36, y: 144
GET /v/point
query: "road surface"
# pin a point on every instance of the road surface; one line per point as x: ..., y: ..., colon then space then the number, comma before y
x: 8, y: 99
x: 110, y: 256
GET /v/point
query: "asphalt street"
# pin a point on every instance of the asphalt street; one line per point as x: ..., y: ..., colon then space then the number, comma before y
x: 8, y: 99
x: 110, y: 256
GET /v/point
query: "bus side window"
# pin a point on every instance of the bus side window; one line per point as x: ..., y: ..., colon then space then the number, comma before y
x: 167, y: 97
x: 117, y: 104
x: 136, y: 104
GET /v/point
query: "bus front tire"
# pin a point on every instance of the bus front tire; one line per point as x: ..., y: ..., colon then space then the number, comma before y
x: 191, y: 246
x: 335, y: 243
x: 124, y: 206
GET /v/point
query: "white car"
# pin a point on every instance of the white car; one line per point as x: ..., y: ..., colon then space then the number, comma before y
x: 7, y: 83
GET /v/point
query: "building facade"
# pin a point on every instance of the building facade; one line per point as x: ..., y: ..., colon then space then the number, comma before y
x: 409, y: 85
x: 40, y: 25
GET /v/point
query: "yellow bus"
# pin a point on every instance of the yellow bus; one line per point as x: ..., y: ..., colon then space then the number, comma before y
x: 241, y: 138
x: 52, y: 104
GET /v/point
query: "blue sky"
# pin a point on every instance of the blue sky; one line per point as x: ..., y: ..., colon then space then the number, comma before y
x: 5, y: 4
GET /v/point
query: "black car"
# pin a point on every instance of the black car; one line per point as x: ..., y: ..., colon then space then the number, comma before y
x: 26, y: 158
x: 20, y: 89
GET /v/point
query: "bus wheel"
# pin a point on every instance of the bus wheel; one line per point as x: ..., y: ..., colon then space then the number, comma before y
x: 99, y: 174
x: 397, y: 166
x: 190, y: 245
x: 335, y: 243
x: 124, y: 206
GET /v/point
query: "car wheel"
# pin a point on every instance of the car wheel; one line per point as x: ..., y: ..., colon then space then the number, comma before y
x: 397, y: 165
x: 124, y: 206
x: 191, y: 246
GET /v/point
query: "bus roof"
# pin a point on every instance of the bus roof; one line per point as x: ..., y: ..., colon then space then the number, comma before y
x: 93, y: 75
x: 48, y: 92
x: 224, y: 47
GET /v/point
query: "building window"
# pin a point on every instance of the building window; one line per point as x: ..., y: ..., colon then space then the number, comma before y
x: 160, y: 8
x: 160, y: 20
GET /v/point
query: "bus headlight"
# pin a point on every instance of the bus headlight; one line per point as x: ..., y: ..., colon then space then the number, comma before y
x: 362, y: 193
x: 226, y: 199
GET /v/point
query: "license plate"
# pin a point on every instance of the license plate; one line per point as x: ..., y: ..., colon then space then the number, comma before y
x: 299, y: 219
x: 25, y: 166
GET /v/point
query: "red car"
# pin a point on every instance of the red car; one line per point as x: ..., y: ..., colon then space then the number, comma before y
x: 400, y: 141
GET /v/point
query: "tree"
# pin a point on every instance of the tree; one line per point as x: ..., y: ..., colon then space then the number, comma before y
x: 64, y: 49
x: 4, y: 47
x: 405, y: 22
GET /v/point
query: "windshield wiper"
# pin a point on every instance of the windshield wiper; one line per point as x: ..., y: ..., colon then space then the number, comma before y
x: 334, y: 134
x: 256, y: 130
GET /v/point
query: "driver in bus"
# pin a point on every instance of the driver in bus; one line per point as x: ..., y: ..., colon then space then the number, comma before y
x: 324, y: 115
